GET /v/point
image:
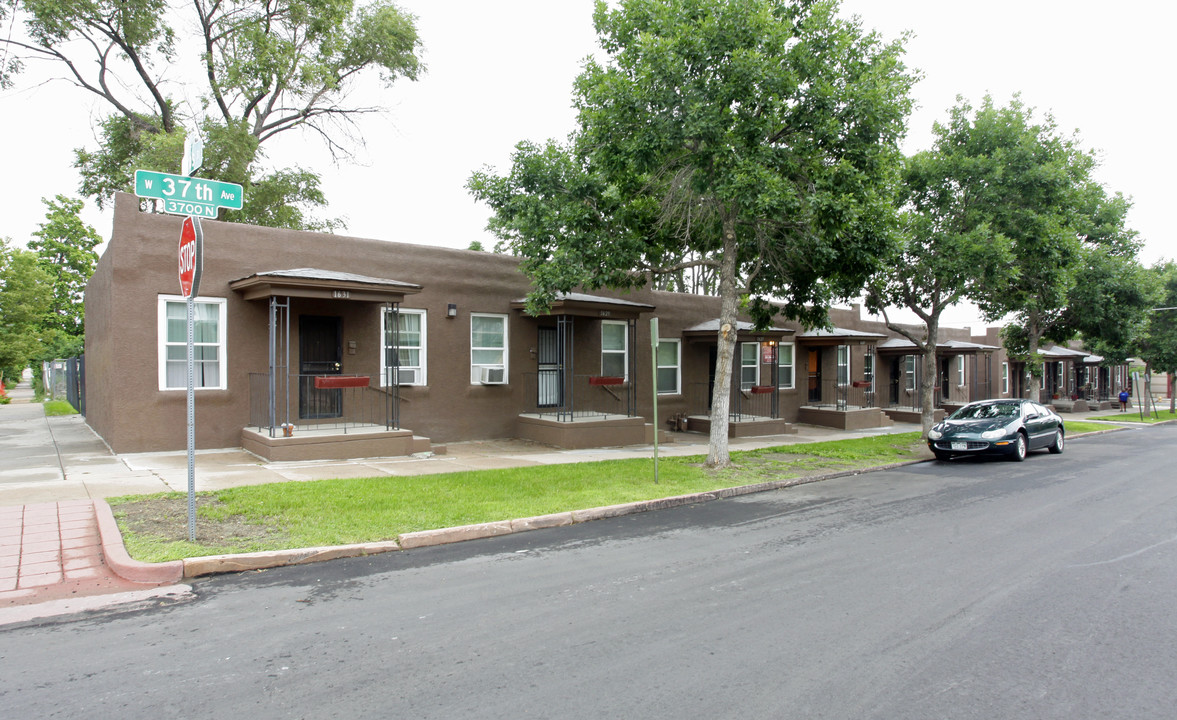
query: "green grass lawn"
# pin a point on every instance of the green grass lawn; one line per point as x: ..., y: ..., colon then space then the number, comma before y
x: 334, y: 512
x: 59, y: 407
x: 1134, y: 416
x: 1074, y: 427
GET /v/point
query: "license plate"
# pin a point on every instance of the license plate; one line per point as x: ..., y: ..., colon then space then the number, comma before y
x: 960, y: 446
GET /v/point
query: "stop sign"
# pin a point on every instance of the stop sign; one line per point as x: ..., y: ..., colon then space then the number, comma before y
x: 191, y: 256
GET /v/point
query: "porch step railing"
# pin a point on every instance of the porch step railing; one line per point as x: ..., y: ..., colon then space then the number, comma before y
x: 579, y: 397
x: 338, y: 403
x: 837, y: 396
x: 746, y: 402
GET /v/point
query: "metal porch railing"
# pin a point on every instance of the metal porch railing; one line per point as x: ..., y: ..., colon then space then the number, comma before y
x: 339, y: 403
x: 552, y: 393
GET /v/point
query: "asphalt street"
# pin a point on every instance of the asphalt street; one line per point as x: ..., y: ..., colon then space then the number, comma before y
x: 965, y: 590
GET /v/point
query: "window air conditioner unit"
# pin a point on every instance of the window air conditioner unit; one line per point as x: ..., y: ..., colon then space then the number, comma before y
x: 492, y: 375
x: 407, y: 376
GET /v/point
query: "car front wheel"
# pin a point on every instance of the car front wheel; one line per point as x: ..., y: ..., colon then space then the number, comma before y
x: 1057, y: 447
x: 1020, y: 448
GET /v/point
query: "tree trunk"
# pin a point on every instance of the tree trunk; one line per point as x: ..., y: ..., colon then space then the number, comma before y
x: 717, y: 454
x: 928, y: 381
x: 1033, y: 335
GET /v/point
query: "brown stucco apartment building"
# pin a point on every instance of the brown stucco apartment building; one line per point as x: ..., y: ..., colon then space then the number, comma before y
x: 323, y: 346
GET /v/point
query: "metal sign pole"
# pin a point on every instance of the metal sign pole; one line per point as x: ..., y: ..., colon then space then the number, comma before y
x: 191, y: 419
x: 191, y: 263
x: 654, y: 385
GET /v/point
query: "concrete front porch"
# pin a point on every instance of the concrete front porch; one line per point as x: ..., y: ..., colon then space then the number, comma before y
x: 912, y: 415
x: 594, y: 431
x: 747, y: 426
x: 848, y: 419
x: 333, y: 444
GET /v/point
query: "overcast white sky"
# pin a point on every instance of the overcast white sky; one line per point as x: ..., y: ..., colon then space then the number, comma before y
x: 502, y: 71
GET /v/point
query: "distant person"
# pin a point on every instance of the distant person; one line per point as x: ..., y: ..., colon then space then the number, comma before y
x: 1123, y: 401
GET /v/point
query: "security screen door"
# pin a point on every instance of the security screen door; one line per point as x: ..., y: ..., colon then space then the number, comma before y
x: 320, y: 352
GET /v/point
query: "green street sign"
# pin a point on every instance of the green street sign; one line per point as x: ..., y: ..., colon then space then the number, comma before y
x: 183, y: 195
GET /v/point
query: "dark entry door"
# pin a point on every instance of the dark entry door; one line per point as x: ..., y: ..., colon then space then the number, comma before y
x: 945, y: 377
x: 320, y: 352
x: 712, y: 358
x: 896, y: 378
x: 551, y: 370
x: 815, y: 375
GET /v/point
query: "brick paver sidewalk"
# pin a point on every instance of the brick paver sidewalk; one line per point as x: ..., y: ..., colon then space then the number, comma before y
x: 52, y: 550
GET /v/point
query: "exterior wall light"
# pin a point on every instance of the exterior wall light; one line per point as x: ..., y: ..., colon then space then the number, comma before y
x: 451, y: 310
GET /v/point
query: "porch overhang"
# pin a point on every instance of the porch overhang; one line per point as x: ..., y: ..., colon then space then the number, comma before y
x: 903, y: 346
x: 322, y: 284
x: 745, y: 332
x: 584, y: 305
x: 839, y: 336
x: 1056, y: 354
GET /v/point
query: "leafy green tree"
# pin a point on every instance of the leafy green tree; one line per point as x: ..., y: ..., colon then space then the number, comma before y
x: 756, y: 139
x: 947, y: 253
x: 1035, y: 188
x: 1110, y: 291
x: 26, y: 292
x: 1157, y: 342
x: 65, y: 248
x: 265, y: 68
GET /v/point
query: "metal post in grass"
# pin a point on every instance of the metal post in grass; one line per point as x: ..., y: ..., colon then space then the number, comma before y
x: 1139, y: 401
x: 654, y: 387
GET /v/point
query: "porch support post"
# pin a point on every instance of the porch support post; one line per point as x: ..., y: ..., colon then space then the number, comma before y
x: 919, y: 379
x: 776, y: 381
x: 392, y: 361
x: 286, y: 361
x: 272, y: 384
x: 631, y: 395
x: 565, y: 379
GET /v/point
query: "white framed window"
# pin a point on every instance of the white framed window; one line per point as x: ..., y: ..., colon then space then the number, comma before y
x: 615, y: 349
x: 411, y: 336
x: 785, y: 363
x: 488, y: 349
x: 1005, y: 378
x: 960, y: 370
x: 843, y: 364
x: 209, y: 347
x: 868, y: 368
x: 909, y: 372
x: 669, y: 367
x: 749, y: 365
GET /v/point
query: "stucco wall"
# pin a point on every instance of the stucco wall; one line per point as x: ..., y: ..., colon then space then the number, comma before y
x: 133, y: 415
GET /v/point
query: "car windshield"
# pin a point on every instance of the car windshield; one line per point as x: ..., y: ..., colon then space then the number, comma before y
x: 984, y: 412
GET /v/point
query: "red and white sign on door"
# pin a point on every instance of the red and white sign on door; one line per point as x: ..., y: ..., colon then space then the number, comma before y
x: 191, y: 257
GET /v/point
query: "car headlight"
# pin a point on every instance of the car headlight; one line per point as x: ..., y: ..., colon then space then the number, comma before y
x: 994, y: 434
x: 934, y: 435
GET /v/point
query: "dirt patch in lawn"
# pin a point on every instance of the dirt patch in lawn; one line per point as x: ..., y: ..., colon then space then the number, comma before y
x: 166, y: 518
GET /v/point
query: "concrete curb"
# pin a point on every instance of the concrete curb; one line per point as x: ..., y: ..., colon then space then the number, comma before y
x: 214, y: 564
x: 177, y: 570
x: 117, y: 559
